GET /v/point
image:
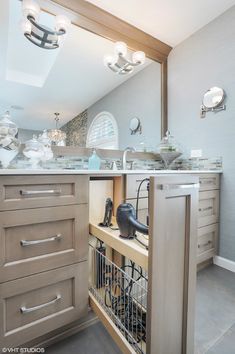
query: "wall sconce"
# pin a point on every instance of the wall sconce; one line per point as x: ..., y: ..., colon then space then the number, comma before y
x: 135, y: 126
x: 212, y: 101
x: 38, y: 34
x: 119, y: 63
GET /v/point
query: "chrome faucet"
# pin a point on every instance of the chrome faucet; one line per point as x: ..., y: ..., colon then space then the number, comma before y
x: 131, y: 149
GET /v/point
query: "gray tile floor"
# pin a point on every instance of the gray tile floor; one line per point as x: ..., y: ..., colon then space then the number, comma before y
x: 215, y: 312
x: 215, y: 321
x: 92, y: 340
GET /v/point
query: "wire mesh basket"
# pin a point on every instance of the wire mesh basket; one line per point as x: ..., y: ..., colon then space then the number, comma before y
x: 122, y: 293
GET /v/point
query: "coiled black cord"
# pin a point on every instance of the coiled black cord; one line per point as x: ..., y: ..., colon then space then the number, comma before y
x: 118, y: 297
x: 138, y: 196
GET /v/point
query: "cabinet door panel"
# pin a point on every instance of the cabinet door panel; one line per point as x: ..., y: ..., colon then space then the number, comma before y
x: 38, y: 304
x: 209, y: 181
x: 23, y: 192
x: 208, y: 209
x: 42, y: 239
x: 207, y: 242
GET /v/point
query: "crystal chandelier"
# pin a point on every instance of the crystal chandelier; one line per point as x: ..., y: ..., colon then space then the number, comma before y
x: 119, y: 63
x: 38, y: 34
x: 56, y: 136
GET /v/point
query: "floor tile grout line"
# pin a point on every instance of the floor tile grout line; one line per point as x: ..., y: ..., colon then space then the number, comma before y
x: 218, y: 339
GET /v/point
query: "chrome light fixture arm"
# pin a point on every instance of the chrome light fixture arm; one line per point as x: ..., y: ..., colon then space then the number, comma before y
x: 119, y: 63
x: 38, y: 34
x: 204, y: 110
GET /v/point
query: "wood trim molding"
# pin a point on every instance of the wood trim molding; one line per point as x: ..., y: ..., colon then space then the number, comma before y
x: 98, y: 21
x: 164, y: 99
x: 102, y: 23
x: 224, y: 263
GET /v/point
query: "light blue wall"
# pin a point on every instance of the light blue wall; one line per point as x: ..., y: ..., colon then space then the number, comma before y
x: 139, y: 96
x: 27, y: 134
x: 204, y: 60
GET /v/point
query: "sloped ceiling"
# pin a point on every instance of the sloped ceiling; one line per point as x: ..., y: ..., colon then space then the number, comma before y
x: 171, y: 21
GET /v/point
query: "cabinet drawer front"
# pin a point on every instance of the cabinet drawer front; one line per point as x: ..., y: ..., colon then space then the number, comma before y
x: 37, y: 304
x: 42, y: 239
x: 207, y: 242
x: 132, y: 185
x: 208, y: 209
x: 22, y: 192
x: 209, y: 182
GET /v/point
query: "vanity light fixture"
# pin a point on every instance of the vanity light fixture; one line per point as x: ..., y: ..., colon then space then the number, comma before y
x: 38, y: 34
x: 56, y: 136
x: 119, y: 63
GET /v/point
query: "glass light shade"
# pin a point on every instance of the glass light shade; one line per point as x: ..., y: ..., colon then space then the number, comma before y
x: 138, y: 57
x: 26, y: 26
x: 56, y: 135
x: 62, y: 23
x: 31, y: 8
x: 120, y: 48
x: 110, y: 60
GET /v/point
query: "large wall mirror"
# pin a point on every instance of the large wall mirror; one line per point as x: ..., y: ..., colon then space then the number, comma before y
x: 96, y: 106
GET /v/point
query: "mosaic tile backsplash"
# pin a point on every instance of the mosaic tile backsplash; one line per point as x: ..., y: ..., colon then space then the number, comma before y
x: 81, y: 163
x: 76, y: 130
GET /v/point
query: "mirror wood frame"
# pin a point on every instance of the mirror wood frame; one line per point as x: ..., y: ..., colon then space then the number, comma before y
x: 104, y: 24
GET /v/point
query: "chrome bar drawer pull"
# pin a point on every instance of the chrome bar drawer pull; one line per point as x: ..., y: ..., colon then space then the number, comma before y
x: 178, y: 186
x: 25, y: 310
x: 207, y: 181
x: 25, y: 243
x: 48, y: 191
x: 205, y: 244
x: 205, y: 209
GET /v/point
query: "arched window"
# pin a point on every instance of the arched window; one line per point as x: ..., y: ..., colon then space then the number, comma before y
x: 103, y: 132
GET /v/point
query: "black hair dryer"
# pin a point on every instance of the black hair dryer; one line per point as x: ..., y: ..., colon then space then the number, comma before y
x: 127, y: 222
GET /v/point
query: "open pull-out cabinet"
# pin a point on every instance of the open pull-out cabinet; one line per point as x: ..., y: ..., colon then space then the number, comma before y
x: 169, y: 299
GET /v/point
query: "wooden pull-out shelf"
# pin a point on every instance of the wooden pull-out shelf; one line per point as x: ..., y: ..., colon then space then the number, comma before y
x: 131, y: 248
x: 113, y: 330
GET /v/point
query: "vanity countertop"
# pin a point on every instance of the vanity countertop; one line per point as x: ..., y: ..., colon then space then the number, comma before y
x: 4, y: 172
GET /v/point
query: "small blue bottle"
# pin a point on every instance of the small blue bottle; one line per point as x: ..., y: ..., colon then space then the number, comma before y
x: 94, y: 161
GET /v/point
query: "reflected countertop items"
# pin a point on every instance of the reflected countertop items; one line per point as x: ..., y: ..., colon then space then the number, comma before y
x: 101, y: 172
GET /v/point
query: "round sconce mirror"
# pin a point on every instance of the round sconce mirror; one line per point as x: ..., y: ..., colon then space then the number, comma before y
x: 213, y: 97
x: 135, y: 126
x: 213, y: 101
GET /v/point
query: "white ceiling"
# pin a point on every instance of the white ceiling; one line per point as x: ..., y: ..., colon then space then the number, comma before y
x: 171, y: 21
x: 41, y: 82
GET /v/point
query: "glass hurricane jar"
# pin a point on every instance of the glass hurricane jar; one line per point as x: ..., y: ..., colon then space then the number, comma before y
x: 34, y: 151
x: 169, y: 149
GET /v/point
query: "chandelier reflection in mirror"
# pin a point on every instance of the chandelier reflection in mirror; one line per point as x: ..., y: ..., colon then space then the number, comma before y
x: 38, y: 34
x: 119, y: 63
x: 56, y: 136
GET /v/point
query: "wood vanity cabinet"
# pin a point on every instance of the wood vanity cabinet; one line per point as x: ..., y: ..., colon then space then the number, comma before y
x: 43, y: 254
x: 208, y: 217
x: 208, y: 209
